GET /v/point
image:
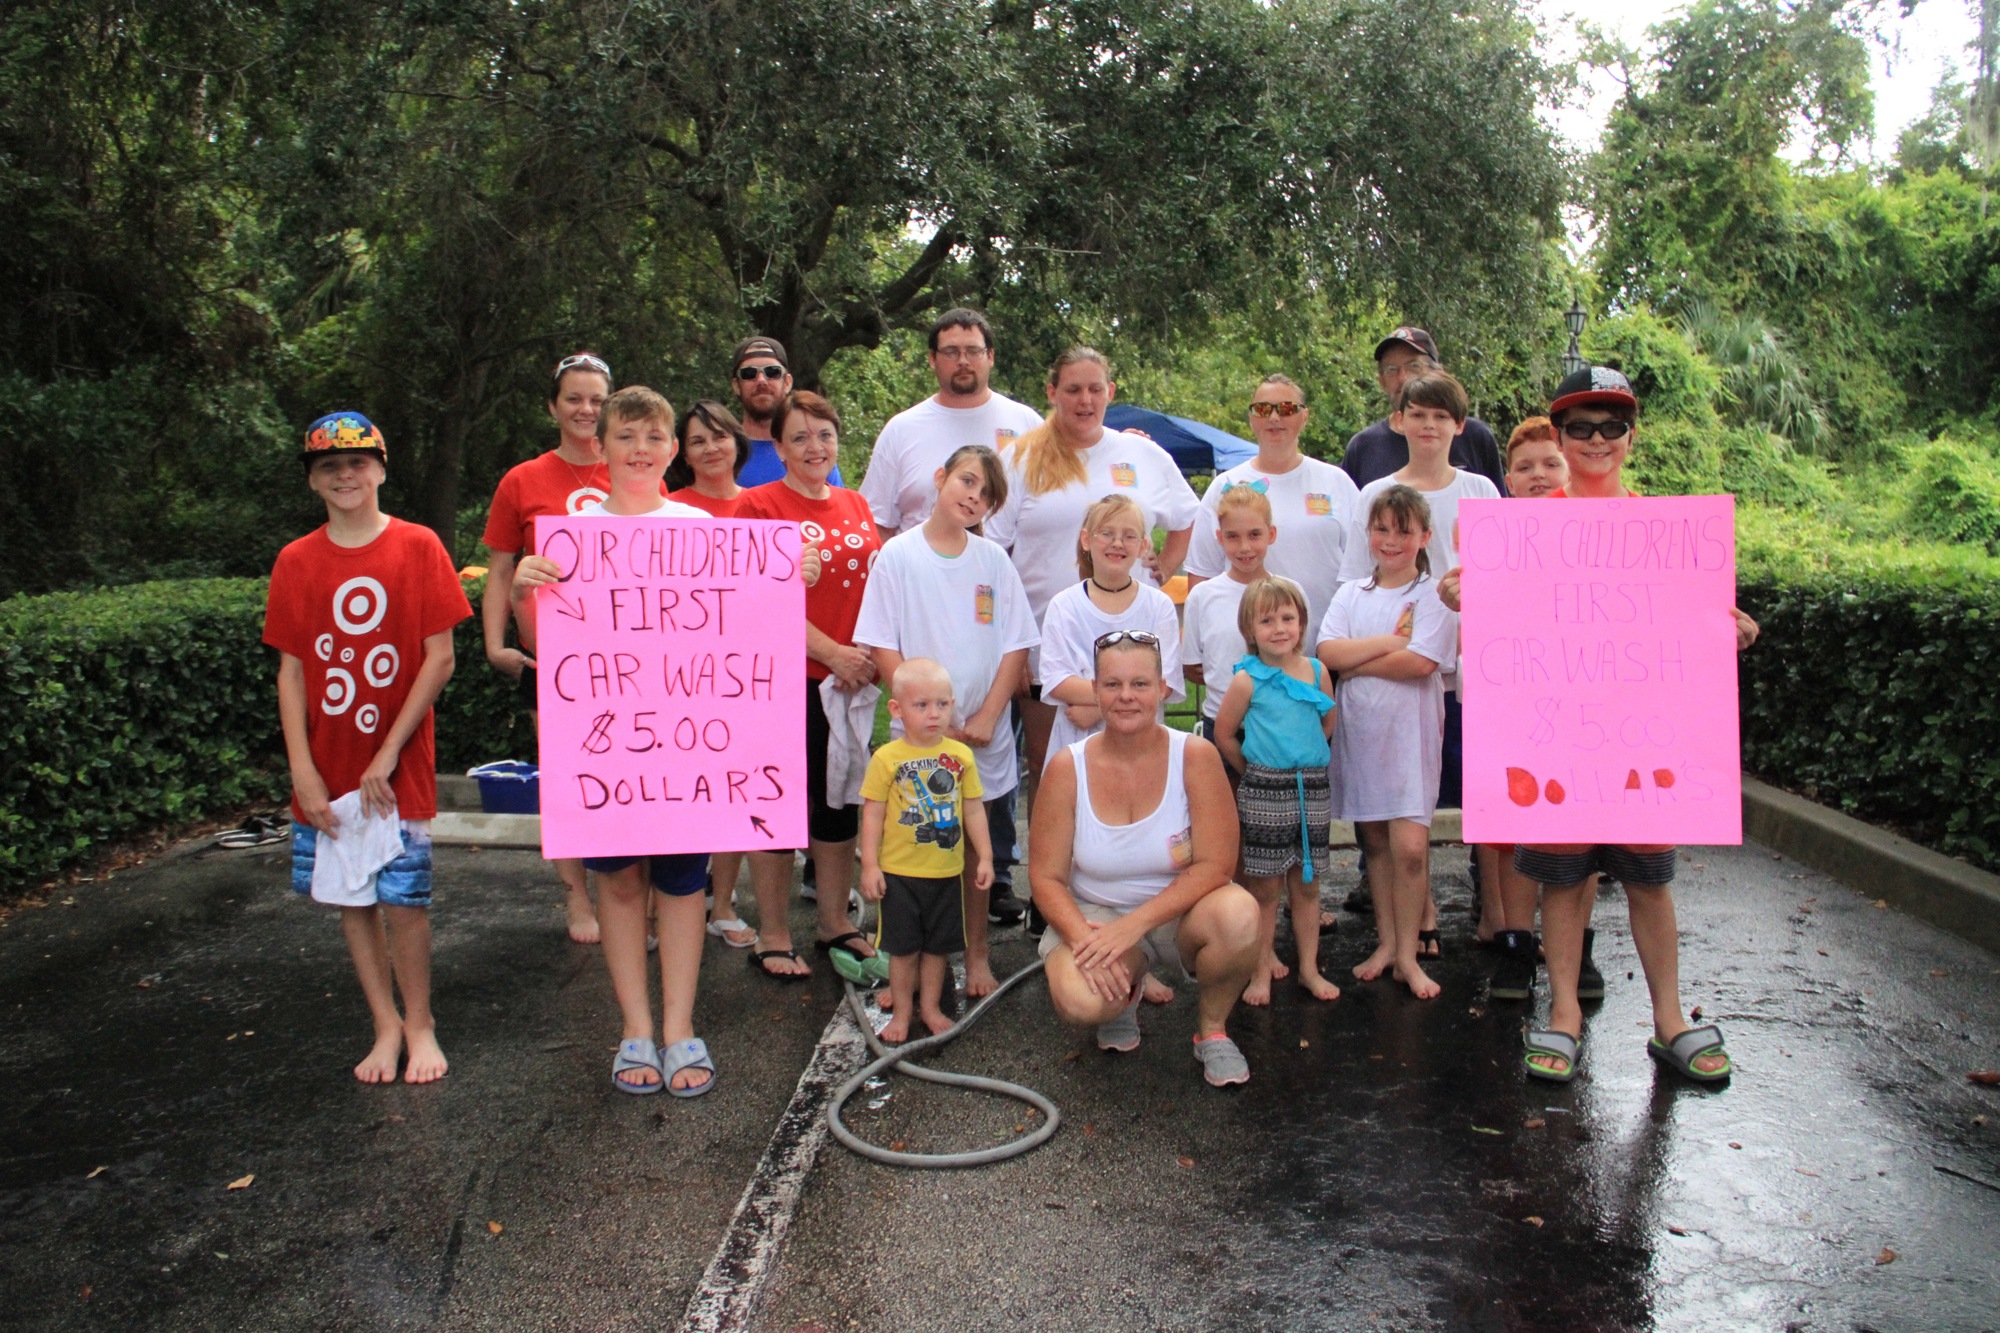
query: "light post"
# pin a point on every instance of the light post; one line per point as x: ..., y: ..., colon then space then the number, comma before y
x: 1573, y: 317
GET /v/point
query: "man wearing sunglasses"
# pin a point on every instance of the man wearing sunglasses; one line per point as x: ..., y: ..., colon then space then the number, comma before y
x: 761, y: 375
x: 1378, y: 451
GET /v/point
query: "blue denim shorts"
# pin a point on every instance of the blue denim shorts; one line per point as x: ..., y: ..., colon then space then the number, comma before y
x: 404, y: 882
x: 676, y: 874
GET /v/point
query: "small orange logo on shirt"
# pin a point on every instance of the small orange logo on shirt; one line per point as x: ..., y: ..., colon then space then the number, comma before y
x: 1181, y: 847
x: 1318, y: 505
x: 1002, y: 437
x: 982, y: 603
x: 1124, y: 474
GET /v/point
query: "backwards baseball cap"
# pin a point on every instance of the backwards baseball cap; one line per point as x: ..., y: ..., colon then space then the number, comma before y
x: 344, y: 433
x: 1410, y: 336
x: 759, y: 346
x: 1594, y: 385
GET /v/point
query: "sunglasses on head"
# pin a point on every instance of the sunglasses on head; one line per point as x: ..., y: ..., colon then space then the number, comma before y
x: 1261, y: 410
x: 1118, y: 636
x: 584, y: 360
x: 750, y: 374
x: 1583, y: 430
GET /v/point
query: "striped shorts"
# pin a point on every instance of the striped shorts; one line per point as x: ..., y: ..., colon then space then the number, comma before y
x: 1279, y: 825
x: 1628, y: 865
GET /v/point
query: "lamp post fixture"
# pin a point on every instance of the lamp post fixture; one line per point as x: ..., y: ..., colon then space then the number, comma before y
x: 1573, y: 317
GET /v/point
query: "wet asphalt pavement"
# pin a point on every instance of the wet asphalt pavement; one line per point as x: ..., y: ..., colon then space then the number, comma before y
x: 189, y: 1023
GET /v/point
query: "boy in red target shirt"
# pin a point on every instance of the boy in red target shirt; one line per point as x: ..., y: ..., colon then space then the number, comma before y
x: 361, y: 613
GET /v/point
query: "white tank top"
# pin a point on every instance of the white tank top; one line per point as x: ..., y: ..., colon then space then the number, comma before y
x: 1122, y: 866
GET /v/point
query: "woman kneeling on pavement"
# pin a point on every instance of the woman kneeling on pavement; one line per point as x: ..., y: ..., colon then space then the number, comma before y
x: 1130, y: 852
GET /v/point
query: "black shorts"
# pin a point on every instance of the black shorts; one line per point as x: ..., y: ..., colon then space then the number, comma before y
x: 1624, y: 864
x: 822, y: 824
x: 530, y: 700
x: 676, y: 874
x: 922, y: 915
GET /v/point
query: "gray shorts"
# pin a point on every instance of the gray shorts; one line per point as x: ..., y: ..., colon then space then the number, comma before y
x: 1161, y: 944
x: 1628, y: 865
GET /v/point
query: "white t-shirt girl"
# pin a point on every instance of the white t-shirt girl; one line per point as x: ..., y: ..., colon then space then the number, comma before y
x: 1071, y: 628
x: 1388, y: 750
x: 965, y: 611
x: 1359, y: 564
x: 1312, y: 506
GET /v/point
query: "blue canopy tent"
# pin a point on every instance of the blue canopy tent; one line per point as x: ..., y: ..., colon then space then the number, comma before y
x: 1195, y: 445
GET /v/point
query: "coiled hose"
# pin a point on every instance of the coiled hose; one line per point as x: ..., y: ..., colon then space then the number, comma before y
x: 887, y: 1061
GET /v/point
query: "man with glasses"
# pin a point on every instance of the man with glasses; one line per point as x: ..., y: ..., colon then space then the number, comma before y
x: 1378, y: 451
x: 901, y: 487
x: 761, y: 376
x: 901, y: 483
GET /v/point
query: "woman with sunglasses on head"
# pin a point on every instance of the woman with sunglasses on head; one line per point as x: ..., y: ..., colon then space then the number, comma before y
x: 1058, y: 471
x: 1311, y: 500
x: 568, y: 479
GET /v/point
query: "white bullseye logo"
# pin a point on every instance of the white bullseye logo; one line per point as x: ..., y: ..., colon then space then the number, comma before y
x: 339, y: 692
x: 367, y: 717
x: 813, y: 531
x: 346, y: 656
x: 379, y: 668
x: 359, y: 605
x: 323, y: 645
x: 854, y: 540
x: 585, y: 500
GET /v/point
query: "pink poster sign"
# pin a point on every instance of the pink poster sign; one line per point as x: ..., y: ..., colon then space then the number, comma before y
x: 670, y: 677
x: 1598, y: 671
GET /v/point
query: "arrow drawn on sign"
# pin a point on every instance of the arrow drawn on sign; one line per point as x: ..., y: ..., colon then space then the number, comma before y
x: 563, y: 605
x: 762, y: 827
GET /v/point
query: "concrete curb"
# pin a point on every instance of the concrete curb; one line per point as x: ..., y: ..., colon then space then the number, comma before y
x: 1949, y: 894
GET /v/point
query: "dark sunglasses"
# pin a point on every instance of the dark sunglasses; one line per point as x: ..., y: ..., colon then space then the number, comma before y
x: 750, y: 374
x: 1583, y: 430
x: 1261, y: 410
x: 1118, y: 636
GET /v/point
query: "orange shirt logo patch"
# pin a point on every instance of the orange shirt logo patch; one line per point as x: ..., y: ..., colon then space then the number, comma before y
x: 1318, y: 506
x: 982, y: 603
x: 1124, y: 474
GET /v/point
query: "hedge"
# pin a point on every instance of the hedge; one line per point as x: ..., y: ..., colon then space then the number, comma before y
x: 140, y: 707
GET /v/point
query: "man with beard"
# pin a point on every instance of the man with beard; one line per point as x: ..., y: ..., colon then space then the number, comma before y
x: 762, y: 376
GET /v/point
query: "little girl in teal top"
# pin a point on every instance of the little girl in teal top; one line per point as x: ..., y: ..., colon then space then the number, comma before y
x: 1273, y: 727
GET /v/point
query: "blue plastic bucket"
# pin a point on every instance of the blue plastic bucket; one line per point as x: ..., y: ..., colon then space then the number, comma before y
x: 508, y: 787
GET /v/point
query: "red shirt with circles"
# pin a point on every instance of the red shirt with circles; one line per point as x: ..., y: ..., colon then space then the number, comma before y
x: 550, y: 484
x: 844, y: 529
x: 357, y: 618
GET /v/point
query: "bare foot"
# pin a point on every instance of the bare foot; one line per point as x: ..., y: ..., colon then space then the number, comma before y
x: 1258, y: 992
x: 1329, y: 921
x: 897, y: 1032
x: 937, y: 1022
x: 1321, y: 988
x: 582, y: 916
x: 1274, y: 967
x: 1419, y: 981
x: 427, y: 1063
x: 885, y: 1000
x: 1375, y: 964
x: 380, y: 1066
x: 979, y: 980
x: 1156, y: 991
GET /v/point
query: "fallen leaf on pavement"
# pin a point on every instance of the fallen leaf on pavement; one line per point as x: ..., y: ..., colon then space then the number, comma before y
x: 84, y: 1295
x: 1802, y: 1171
x: 495, y: 1228
x: 1985, y: 1078
x: 97, y: 1172
x: 1824, y: 954
x: 1185, y: 1161
x: 1677, y: 1231
x: 1071, y: 1057
x: 1303, y: 1043
x: 1533, y: 1124
x: 896, y: 1145
x: 1888, y: 1256
x: 242, y: 1182
x: 1940, y: 972
x: 1736, y: 1145
x: 1882, y: 904
x: 1532, y: 1221
x: 1695, y: 1013
x: 1481, y: 1129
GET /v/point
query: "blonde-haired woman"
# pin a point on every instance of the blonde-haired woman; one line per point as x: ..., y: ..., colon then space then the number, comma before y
x: 1056, y: 472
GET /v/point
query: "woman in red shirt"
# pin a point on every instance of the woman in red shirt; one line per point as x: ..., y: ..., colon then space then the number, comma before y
x: 713, y: 450
x: 806, y: 430
x: 568, y: 479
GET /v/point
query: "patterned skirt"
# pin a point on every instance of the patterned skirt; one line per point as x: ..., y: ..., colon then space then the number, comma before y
x: 1285, y: 814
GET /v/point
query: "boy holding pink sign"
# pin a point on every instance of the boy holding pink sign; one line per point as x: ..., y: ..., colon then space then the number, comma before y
x: 1596, y: 415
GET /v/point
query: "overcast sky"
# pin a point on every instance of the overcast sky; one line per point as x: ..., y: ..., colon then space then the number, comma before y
x: 1915, y: 53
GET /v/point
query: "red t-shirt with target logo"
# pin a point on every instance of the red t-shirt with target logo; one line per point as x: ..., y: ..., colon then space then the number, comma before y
x: 844, y: 529
x: 550, y: 484
x: 357, y: 617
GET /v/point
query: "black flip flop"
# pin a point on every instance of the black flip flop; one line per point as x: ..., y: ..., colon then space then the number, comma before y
x: 840, y: 942
x: 1429, y: 937
x: 756, y: 960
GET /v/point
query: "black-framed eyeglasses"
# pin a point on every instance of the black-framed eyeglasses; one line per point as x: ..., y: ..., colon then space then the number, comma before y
x: 1261, y: 410
x: 1610, y: 430
x: 751, y: 374
x: 1118, y: 636
x: 584, y: 360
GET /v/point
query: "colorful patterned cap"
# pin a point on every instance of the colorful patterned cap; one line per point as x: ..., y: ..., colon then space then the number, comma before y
x: 1594, y: 385
x: 344, y: 433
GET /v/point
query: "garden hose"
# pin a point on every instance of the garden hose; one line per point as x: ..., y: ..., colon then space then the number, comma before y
x: 887, y: 1061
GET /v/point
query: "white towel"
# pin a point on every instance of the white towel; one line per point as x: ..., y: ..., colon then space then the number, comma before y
x: 344, y: 867
x: 850, y: 720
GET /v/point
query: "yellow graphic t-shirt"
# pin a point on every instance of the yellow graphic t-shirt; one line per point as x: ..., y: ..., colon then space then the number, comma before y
x: 925, y: 791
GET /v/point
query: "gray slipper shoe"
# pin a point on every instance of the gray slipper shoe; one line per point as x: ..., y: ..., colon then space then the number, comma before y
x: 636, y: 1053
x: 1680, y: 1054
x: 1550, y: 1042
x: 689, y: 1054
x: 1221, y: 1062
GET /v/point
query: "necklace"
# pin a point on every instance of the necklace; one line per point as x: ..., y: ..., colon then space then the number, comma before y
x: 582, y: 475
x: 1113, y: 592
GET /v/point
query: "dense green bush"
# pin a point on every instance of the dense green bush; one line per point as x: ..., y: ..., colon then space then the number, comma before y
x: 1868, y: 689
x: 134, y: 708
x: 1953, y: 493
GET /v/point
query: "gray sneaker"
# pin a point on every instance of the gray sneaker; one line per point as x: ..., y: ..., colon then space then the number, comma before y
x: 1121, y: 1034
x: 1221, y: 1062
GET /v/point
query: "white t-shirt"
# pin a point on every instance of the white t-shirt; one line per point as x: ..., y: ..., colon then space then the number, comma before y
x: 900, y: 485
x: 1070, y: 630
x: 1443, y: 548
x: 965, y: 611
x: 1388, y: 749
x: 1210, y: 637
x: 1041, y: 530
x: 1312, y: 505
